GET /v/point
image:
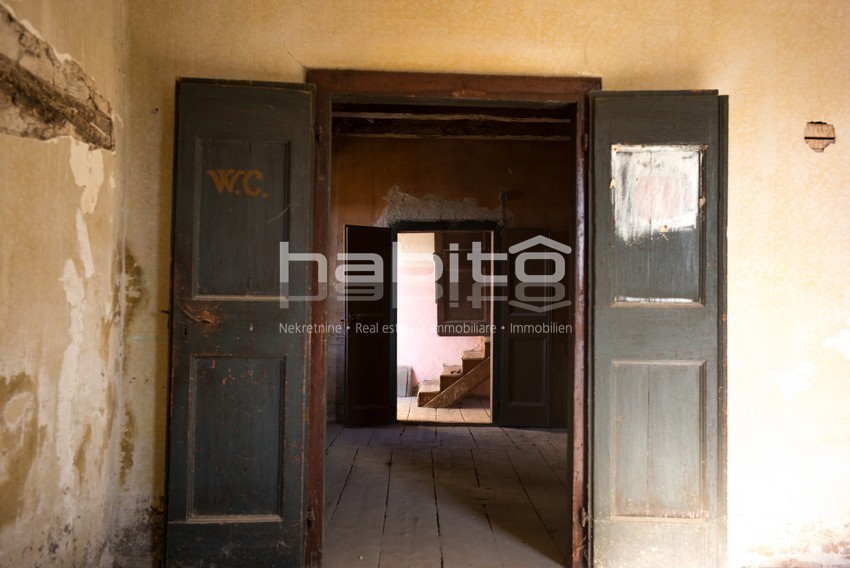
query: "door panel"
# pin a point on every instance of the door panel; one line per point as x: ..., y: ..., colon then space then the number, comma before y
x: 231, y: 427
x: 240, y: 195
x: 525, y: 384
x: 664, y: 202
x: 236, y: 477
x: 369, y: 353
x: 656, y: 433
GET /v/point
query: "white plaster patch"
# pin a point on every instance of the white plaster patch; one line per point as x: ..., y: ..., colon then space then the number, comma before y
x: 403, y: 206
x: 632, y: 299
x: 87, y: 167
x: 794, y: 380
x: 62, y: 57
x: 16, y: 409
x: 74, y: 293
x: 72, y: 284
x: 840, y: 341
x: 655, y: 189
x: 85, y: 245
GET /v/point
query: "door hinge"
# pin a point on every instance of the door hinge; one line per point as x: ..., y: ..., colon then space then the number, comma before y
x: 583, y: 517
x: 311, y: 518
x: 585, y: 141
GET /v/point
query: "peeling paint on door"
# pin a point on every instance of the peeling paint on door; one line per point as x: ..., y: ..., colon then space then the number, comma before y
x: 656, y: 190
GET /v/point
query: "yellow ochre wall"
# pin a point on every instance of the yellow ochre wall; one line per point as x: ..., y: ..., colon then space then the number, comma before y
x: 781, y: 63
x: 62, y: 305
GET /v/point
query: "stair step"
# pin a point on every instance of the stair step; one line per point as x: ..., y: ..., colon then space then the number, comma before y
x: 471, y: 359
x: 448, y: 380
x: 428, y: 389
x: 452, y: 370
x: 462, y: 386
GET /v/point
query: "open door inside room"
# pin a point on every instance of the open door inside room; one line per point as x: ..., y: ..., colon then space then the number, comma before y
x: 237, y: 419
x: 658, y: 445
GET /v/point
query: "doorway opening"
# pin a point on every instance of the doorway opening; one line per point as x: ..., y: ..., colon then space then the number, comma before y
x: 511, y: 151
x: 504, y: 169
x: 443, y: 157
x: 444, y: 327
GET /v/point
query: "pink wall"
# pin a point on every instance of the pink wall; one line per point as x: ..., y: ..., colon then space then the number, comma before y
x: 419, y: 346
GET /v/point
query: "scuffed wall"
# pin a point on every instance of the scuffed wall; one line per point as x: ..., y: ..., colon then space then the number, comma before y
x: 783, y: 65
x: 61, y: 265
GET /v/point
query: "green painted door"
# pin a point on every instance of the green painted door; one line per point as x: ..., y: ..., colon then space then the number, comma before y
x: 243, y: 186
x: 526, y: 374
x: 658, y: 409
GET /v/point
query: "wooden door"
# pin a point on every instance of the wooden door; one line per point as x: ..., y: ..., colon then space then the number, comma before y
x: 658, y: 457
x: 370, y: 394
x: 528, y: 306
x: 236, y: 479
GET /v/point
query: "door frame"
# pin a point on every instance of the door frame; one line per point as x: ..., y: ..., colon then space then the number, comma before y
x: 379, y: 86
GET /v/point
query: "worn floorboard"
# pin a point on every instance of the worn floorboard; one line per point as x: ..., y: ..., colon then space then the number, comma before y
x: 466, y: 538
x: 339, y: 461
x: 469, y: 411
x: 354, y: 531
x: 493, y: 438
x: 556, y: 461
x: 521, y: 537
x: 412, y: 495
x: 546, y: 494
x: 410, y: 534
x: 402, y: 409
x: 474, y: 411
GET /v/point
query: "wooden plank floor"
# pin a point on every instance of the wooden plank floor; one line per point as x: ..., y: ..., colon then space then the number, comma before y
x: 424, y: 496
x: 470, y: 411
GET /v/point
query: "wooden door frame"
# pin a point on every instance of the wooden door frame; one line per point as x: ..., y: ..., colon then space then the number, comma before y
x: 379, y: 86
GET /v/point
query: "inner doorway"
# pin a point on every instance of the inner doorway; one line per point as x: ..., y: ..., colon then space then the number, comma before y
x: 512, y: 170
x: 444, y: 327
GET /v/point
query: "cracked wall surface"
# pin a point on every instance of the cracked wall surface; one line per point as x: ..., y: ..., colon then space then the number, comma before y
x: 61, y: 263
x: 44, y: 94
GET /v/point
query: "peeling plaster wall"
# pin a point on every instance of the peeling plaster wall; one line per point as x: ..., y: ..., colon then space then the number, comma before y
x: 782, y: 65
x: 60, y: 310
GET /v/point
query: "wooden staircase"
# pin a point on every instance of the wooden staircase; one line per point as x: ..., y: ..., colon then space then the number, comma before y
x: 456, y: 381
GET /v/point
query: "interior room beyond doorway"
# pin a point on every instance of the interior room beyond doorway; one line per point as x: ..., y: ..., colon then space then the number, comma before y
x: 443, y: 340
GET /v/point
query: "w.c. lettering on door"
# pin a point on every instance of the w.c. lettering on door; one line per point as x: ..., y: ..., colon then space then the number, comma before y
x: 229, y: 180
